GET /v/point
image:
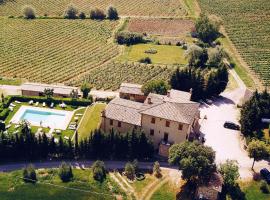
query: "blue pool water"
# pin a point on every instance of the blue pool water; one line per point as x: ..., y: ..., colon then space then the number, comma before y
x: 46, y: 118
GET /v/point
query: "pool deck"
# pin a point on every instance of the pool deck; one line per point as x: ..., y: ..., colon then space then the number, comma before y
x: 63, y: 126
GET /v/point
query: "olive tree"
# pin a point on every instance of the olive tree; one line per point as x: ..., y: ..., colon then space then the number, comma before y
x: 71, y: 12
x: 112, y: 13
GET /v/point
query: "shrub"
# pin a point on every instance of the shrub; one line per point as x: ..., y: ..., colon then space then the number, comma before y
x: 29, y: 174
x: 130, y: 171
x: 29, y: 12
x: 71, y: 12
x: 129, y: 38
x: 4, y: 114
x: 155, y: 86
x: 146, y: 60
x: 112, y: 13
x: 264, y: 187
x: 97, y: 14
x: 65, y: 172
x: 99, y: 170
x: 151, y: 51
x: 82, y: 15
x: 157, y: 170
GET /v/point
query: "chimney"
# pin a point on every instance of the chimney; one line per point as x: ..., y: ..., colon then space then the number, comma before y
x: 149, y: 101
x: 168, y: 94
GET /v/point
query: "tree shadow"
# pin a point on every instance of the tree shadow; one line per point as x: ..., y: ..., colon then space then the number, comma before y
x: 187, y: 192
x: 221, y: 100
x: 234, y: 192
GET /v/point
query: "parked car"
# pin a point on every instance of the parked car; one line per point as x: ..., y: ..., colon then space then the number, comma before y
x: 231, y: 125
x: 265, y: 174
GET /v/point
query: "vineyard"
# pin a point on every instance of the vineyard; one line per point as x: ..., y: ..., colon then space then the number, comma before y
x: 165, y: 8
x: 112, y: 75
x: 53, y: 50
x: 247, y: 23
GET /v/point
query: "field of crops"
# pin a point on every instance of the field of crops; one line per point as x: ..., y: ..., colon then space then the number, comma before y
x: 53, y: 50
x: 113, y: 74
x: 164, y: 27
x: 248, y: 25
x: 166, y: 8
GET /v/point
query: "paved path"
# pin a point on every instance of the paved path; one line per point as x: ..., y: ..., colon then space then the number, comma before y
x: 79, y: 164
x: 227, y: 143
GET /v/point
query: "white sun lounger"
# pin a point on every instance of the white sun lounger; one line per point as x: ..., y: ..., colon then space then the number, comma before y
x: 17, y: 102
x: 66, y: 138
x: 36, y: 104
x: 12, y: 105
x: 31, y: 102
x: 10, y: 108
x: 52, y: 105
x: 44, y: 104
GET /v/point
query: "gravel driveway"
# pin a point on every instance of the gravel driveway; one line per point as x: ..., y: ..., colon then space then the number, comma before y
x: 226, y: 142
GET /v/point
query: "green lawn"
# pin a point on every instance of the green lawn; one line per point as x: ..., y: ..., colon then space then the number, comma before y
x: 166, y: 54
x: 4, y: 81
x: 252, y: 191
x: 139, y: 186
x: 91, y: 120
x: 12, y: 187
x: 166, y: 191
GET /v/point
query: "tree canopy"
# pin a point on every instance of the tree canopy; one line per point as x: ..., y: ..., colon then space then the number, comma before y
x: 207, y: 30
x: 85, y: 88
x: 252, y: 112
x: 71, y: 12
x: 258, y: 150
x: 112, y: 13
x: 29, y: 12
x: 155, y: 86
x: 99, y: 171
x: 230, y: 172
x: 196, y: 161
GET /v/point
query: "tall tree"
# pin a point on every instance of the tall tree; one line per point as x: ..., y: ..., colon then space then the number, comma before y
x: 112, y: 13
x: 207, y: 31
x: 258, y: 150
x: 196, y: 161
x: 230, y: 172
x: 85, y: 88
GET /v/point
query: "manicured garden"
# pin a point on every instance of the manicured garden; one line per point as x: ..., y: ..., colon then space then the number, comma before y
x: 159, y: 54
x: 252, y: 191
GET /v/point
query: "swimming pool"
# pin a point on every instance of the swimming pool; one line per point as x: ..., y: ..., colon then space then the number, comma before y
x: 57, y: 119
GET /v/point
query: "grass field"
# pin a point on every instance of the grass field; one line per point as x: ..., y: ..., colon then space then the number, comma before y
x: 166, y: 54
x: 247, y: 23
x: 53, y: 50
x: 252, y: 191
x: 91, y: 120
x: 169, y: 8
x: 12, y: 187
x: 110, y: 76
x: 166, y: 191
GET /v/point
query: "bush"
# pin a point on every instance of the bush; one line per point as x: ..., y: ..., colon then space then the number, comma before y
x: 157, y: 170
x: 129, y: 171
x: 71, y: 12
x: 129, y: 38
x: 97, y: 14
x: 82, y: 15
x: 112, y: 13
x: 264, y: 187
x: 29, y: 174
x: 65, y: 172
x: 99, y: 170
x: 29, y: 12
x: 4, y: 114
x: 145, y: 60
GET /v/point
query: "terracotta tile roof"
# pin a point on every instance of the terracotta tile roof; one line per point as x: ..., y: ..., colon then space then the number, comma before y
x: 171, y: 107
x: 179, y: 112
x: 131, y: 88
x: 39, y: 87
x: 124, y: 110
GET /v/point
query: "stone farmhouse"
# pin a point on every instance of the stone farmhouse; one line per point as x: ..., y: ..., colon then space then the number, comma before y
x: 165, y: 119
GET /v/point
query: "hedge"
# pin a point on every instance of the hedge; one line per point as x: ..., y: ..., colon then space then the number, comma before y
x: 67, y: 101
x: 4, y: 113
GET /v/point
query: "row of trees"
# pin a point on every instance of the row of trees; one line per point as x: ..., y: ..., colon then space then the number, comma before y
x: 72, y: 12
x: 203, y: 83
x: 99, y: 145
x: 128, y: 38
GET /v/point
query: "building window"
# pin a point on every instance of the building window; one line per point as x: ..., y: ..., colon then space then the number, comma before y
x: 119, y: 124
x: 167, y: 124
x: 152, y: 132
x: 111, y: 122
x: 153, y: 120
x: 180, y: 127
x: 166, y: 137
